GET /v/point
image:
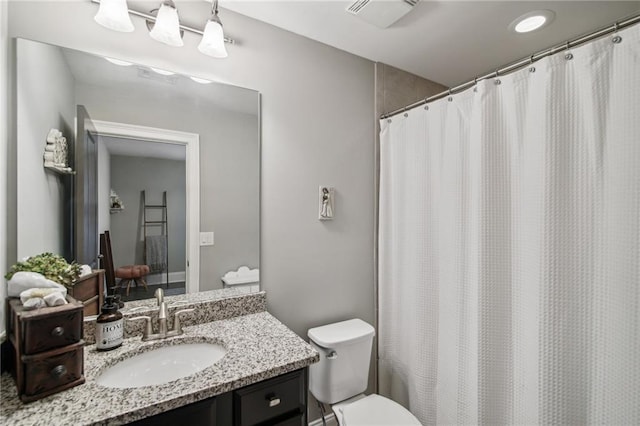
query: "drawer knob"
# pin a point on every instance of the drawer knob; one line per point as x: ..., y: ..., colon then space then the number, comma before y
x: 58, y: 371
x: 273, y: 400
x: 57, y: 332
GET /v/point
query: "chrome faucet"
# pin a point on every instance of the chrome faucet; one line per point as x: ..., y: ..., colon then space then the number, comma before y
x: 162, y: 313
x: 163, y: 331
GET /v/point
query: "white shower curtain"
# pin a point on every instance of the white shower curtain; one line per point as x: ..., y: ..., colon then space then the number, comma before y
x: 509, y: 246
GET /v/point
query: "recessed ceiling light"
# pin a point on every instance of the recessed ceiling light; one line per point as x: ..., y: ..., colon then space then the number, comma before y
x: 200, y: 80
x: 532, y: 21
x: 161, y: 71
x: 118, y: 62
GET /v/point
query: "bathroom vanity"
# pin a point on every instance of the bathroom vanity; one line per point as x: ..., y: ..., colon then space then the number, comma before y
x: 261, y: 379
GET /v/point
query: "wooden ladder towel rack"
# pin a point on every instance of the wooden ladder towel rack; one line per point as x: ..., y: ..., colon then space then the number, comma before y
x: 163, y: 223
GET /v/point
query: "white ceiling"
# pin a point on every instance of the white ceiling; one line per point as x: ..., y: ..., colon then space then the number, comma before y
x: 449, y: 42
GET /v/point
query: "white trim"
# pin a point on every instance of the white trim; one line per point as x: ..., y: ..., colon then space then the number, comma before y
x: 330, y: 419
x: 160, y: 277
x: 191, y: 141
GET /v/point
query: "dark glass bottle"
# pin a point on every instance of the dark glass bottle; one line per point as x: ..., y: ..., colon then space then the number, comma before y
x: 109, y: 326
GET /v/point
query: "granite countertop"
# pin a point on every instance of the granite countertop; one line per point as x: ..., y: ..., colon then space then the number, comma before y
x: 258, y: 347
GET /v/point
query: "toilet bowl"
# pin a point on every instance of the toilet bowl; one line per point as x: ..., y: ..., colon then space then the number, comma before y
x: 341, y: 376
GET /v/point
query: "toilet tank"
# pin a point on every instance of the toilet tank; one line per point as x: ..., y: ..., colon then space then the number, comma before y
x: 345, y: 354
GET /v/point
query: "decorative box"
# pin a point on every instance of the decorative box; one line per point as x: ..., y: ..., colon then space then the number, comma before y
x: 47, y: 347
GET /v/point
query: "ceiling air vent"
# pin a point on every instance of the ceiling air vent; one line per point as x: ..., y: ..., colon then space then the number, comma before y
x: 381, y: 13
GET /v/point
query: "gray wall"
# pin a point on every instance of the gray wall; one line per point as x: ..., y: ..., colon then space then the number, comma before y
x: 45, y: 93
x: 229, y: 168
x: 104, y: 186
x: 317, y: 129
x: 4, y: 152
x: 129, y: 177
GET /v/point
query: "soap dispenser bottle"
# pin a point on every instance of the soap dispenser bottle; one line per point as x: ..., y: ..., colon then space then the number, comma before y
x: 109, y: 326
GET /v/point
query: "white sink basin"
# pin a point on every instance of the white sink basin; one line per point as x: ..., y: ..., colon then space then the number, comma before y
x: 161, y: 365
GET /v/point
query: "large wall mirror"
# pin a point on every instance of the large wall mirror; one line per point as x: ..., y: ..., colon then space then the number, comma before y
x: 168, y: 164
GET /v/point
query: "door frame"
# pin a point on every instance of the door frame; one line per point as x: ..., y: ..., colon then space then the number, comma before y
x: 191, y: 142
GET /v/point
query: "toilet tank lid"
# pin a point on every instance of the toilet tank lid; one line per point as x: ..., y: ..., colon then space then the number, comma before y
x: 349, y: 331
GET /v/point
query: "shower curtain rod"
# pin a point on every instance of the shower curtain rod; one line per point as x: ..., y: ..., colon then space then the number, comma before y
x: 634, y: 19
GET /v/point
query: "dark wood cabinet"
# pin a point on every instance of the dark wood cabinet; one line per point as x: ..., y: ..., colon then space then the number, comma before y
x: 280, y: 401
x: 271, y: 401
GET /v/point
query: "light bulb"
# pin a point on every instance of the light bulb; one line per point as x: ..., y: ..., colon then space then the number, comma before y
x: 167, y: 26
x: 113, y: 14
x: 212, y: 43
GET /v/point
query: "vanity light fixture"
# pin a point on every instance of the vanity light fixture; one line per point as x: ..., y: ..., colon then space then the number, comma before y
x: 201, y: 80
x: 212, y: 43
x: 166, y: 29
x: 165, y: 25
x: 118, y: 62
x: 161, y: 71
x: 532, y: 21
x: 113, y: 14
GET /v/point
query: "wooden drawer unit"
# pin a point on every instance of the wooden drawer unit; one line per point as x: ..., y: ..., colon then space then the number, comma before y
x: 90, y: 291
x: 281, y: 400
x: 48, y: 353
x: 45, y: 328
x: 55, y: 370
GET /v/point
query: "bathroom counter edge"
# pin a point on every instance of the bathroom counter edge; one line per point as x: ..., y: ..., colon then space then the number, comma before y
x: 258, y: 346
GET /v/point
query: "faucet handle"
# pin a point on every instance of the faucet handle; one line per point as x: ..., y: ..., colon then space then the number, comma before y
x: 147, y: 331
x: 177, y: 327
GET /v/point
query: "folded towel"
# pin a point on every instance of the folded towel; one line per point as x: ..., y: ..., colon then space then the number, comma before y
x: 34, y: 303
x: 156, y: 255
x: 21, y: 281
x: 51, y: 296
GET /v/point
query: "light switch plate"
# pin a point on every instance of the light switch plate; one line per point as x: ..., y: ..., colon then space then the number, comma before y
x: 206, y: 238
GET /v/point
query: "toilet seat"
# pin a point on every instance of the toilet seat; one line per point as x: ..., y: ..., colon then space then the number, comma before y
x: 376, y: 410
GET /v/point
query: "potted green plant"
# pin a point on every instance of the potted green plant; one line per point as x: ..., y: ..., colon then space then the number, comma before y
x: 52, y: 266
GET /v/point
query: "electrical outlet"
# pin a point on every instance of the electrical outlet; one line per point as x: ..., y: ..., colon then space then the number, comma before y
x: 206, y: 238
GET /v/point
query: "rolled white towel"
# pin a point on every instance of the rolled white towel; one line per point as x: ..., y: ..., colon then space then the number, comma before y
x: 48, y: 156
x: 34, y: 303
x: 42, y: 293
x: 53, y: 134
x: 85, y: 270
x: 50, y: 147
x: 55, y: 299
x: 21, y: 281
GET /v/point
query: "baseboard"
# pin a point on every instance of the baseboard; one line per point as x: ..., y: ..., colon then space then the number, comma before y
x: 160, y: 277
x: 329, y: 418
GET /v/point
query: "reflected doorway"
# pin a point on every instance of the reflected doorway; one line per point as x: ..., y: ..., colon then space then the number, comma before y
x: 146, y: 186
x: 147, y: 190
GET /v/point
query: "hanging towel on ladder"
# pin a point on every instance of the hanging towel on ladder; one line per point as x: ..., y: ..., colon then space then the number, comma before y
x: 157, y: 253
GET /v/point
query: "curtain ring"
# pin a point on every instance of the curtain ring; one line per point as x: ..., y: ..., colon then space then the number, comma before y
x: 616, y: 38
x: 568, y: 56
x: 450, y: 97
x: 405, y: 111
x: 531, y: 68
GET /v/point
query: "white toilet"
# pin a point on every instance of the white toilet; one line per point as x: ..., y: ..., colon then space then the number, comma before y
x: 341, y: 376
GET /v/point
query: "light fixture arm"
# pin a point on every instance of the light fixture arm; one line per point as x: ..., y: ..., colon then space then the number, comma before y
x: 182, y: 27
x: 214, y: 12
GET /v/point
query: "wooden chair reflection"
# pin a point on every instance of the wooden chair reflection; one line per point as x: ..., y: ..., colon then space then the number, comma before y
x: 126, y: 274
